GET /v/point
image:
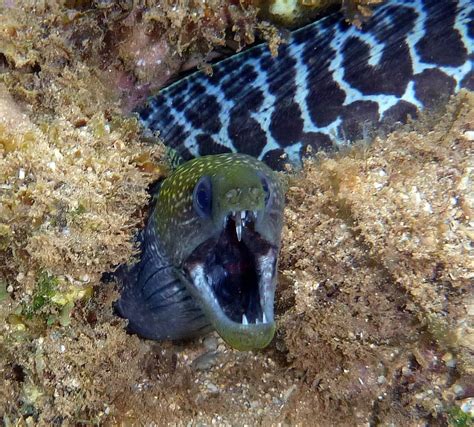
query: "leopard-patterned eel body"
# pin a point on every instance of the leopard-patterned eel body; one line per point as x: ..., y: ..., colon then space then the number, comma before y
x: 331, y: 84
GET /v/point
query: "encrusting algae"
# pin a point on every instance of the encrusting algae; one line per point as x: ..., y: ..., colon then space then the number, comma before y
x: 378, y: 266
x: 374, y: 304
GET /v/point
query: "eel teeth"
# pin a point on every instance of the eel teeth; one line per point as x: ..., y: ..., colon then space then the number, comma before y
x: 245, y: 320
x: 241, y: 218
x: 238, y: 227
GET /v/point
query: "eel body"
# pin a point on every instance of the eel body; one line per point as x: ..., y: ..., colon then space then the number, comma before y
x: 330, y: 85
x: 210, y: 248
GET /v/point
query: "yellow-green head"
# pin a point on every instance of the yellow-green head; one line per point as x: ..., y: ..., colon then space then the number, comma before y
x: 219, y: 219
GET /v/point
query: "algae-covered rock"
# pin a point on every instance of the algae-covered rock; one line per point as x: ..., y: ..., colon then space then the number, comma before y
x: 374, y: 301
x: 378, y: 259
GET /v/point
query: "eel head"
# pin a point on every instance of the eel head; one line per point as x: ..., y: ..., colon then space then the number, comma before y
x: 220, y: 219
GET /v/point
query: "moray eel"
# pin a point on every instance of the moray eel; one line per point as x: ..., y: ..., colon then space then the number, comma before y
x: 209, y: 254
x: 209, y: 251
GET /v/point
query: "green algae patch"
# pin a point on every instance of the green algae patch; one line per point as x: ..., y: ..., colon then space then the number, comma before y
x: 5, y: 236
x: 45, y: 290
x: 459, y: 418
x: 53, y: 301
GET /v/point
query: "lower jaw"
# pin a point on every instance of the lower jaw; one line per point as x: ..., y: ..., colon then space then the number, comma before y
x: 244, y: 337
x: 239, y: 336
x: 252, y: 333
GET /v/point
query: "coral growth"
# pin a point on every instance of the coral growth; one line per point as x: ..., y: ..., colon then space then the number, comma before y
x: 131, y: 48
x: 377, y: 251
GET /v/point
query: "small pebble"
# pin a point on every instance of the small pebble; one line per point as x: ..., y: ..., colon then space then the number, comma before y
x: 469, y: 134
x: 253, y: 404
x: 467, y: 406
x: 212, y: 388
x: 205, y: 361
x: 210, y: 343
x: 288, y: 392
x: 458, y: 390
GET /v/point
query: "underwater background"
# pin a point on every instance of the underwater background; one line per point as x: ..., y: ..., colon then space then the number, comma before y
x: 374, y: 305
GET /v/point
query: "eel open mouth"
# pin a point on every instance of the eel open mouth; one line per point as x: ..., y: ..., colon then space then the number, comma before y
x: 234, y: 279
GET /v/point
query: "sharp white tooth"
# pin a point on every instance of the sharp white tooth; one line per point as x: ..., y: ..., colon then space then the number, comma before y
x: 264, y: 318
x: 255, y: 214
x: 244, y: 320
x: 233, y: 214
x: 242, y: 215
x: 238, y: 227
x: 238, y: 230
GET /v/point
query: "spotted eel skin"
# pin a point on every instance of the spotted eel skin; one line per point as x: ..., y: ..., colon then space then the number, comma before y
x: 330, y: 85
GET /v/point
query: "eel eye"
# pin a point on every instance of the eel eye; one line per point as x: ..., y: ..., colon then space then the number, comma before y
x: 202, y: 197
x: 265, y: 186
